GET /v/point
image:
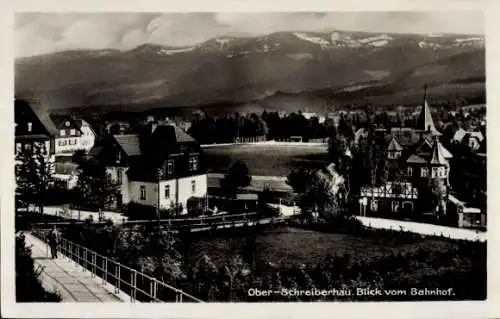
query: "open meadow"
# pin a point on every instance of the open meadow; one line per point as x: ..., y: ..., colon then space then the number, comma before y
x: 265, y: 159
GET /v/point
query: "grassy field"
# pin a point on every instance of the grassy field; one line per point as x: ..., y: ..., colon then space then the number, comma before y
x: 290, y: 246
x: 264, y: 159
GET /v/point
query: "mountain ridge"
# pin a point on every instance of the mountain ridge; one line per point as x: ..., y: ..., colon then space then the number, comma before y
x: 244, y: 70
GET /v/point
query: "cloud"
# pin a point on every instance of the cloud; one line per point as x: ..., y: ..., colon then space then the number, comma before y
x: 39, y: 33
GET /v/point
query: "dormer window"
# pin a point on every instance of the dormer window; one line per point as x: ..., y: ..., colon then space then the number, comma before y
x: 72, y: 132
x: 30, y: 126
x: 62, y: 133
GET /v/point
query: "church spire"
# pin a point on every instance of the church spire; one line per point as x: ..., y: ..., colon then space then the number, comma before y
x: 425, y: 121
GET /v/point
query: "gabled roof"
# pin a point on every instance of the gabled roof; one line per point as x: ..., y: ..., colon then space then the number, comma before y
x: 129, y: 143
x: 42, y: 113
x: 46, y: 121
x: 477, y: 135
x: 394, y: 145
x: 60, y: 120
x: 459, y: 135
x: 425, y: 121
x: 170, y: 130
x: 404, y: 136
x: 446, y: 154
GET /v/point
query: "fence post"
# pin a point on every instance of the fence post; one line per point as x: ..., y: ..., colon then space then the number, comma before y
x: 70, y: 250
x: 77, y: 259
x: 155, y: 289
x: 105, y: 270
x: 118, y: 279
x: 94, y: 262
x: 84, y: 264
x: 151, y: 291
x: 133, y: 285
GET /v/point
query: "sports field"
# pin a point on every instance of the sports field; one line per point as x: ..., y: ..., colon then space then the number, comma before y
x: 265, y: 159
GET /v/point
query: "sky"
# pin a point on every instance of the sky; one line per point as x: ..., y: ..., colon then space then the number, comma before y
x: 41, y: 33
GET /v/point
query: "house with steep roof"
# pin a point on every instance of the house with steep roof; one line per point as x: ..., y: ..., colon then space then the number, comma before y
x: 473, y: 139
x: 68, y: 134
x: 88, y: 137
x: 161, y: 167
x: 415, y: 159
x: 33, y: 126
x: 72, y: 134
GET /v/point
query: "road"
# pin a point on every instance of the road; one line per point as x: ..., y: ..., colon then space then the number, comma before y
x: 424, y: 229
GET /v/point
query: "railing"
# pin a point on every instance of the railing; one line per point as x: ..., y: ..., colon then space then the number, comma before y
x: 197, y: 220
x: 139, y: 286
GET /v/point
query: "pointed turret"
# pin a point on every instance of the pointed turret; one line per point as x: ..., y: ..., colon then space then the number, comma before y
x: 425, y: 121
x: 394, y: 146
x: 438, y: 157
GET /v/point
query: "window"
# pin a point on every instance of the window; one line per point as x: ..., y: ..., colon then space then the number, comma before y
x: 374, y: 205
x: 62, y: 143
x: 119, y: 175
x: 394, y: 155
x: 63, y: 133
x: 170, y: 166
x: 395, y: 206
x: 435, y: 172
x: 118, y: 157
x: 424, y: 172
x: 442, y: 172
x: 72, y: 132
x: 30, y: 126
x: 193, y: 163
x: 193, y: 186
x: 67, y: 123
x: 409, y: 171
x: 167, y: 191
x: 143, y: 192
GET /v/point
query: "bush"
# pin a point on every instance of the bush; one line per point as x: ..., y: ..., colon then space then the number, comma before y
x: 28, y: 286
x: 136, y: 211
x: 460, y: 265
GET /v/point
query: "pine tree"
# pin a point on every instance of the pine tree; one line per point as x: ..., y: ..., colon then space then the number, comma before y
x: 33, y: 175
x: 96, y: 188
x: 25, y: 178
